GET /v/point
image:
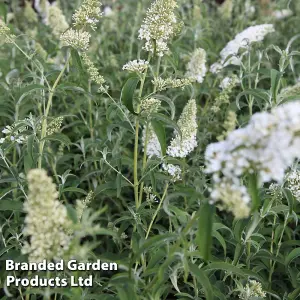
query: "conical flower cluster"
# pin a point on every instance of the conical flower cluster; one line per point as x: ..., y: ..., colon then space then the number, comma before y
x: 159, y: 26
x: 181, y: 146
x: 250, y: 35
x: 46, y: 222
x: 196, y: 67
x: 268, y: 145
x: 153, y: 145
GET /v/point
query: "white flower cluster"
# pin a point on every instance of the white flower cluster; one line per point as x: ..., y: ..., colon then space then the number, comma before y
x: 229, y: 82
x: 289, y: 91
x: 159, y: 26
x: 5, y: 34
x: 173, y: 170
x: 138, y: 66
x: 250, y: 35
x: 150, y: 197
x: 78, y: 39
x: 233, y: 197
x: 149, y: 106
x: 181, y: 146
x: 46, y: 222
x: 14, y: 134
x: 88, y: 15
x: 81, y: 205
x: 92, y: 70
x: 54, y: 125
x: 275, y: 191
x: 252, y: 289
x: 114, y: 228
x: 268, y: 145
x: 153, y: 145
x: 293, y: 183
x: 196, y: 68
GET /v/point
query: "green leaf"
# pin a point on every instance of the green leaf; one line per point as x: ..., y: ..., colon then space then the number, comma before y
x: 119, y: 185
x: 292, y: 255
x: 3, y: 11
x: 75, y: 190
x: 59, y: 137
x: 72, y: 213
x: 290, y: 198
x: 168, y: 101
x: 28, y: 163
x: 161, y: 135
x: 224, y: 266
x: 156, y: 241
x: 204, y: 234
x: 10, y: 205
x: 167, y: 121
x: 275, y: 83
x: 203, y: 280
x: 128, y: 93
x: 253, y: 191
x: 256, y: 93
x: 294, y: 295
x: 76, y: 59
x: 27, y: 90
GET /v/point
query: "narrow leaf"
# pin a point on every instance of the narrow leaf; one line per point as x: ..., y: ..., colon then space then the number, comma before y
x: 161, y: 135
x: 204, y: 234
x: 203, y: 280
x: 128, y: 93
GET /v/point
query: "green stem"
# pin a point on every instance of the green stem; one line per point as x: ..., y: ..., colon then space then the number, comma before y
x: 172, y: 251
x: 144, y: 162
x: 253, y: 191
x: 49, y: 103
x: 278, y: 248
x: 147, y: 137
x: 136, y: 142
x: 271, y: 248
x: 158, y: 209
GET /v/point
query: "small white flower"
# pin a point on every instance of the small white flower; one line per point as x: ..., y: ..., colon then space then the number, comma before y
x: 7, y: 130
x: 2, y: 140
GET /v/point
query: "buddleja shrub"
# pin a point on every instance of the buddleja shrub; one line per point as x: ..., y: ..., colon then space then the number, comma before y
x: 119, y: 143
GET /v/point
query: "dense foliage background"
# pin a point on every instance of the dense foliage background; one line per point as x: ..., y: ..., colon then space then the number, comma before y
x: 173, y: 244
